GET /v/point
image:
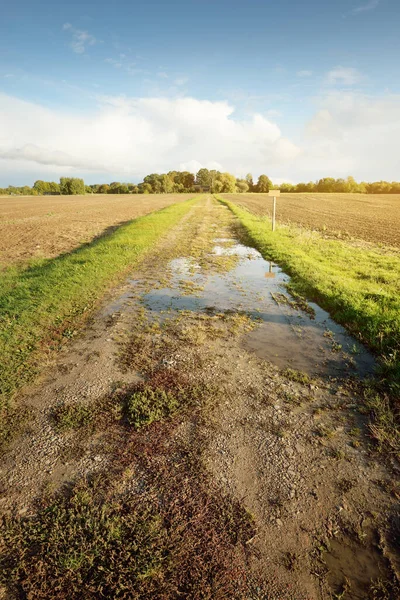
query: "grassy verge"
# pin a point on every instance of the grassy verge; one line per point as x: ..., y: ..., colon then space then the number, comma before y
x: 44, y: 303
x: 359, y: 287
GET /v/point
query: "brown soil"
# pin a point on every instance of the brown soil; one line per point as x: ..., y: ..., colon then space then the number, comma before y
x: 295, y: 455
x: 46, y: 226
x: 372, y: 218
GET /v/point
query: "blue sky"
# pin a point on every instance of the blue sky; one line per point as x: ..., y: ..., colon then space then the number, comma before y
x: 295, y: 89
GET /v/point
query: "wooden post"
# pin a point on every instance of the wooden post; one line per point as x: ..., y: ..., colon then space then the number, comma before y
x: 274, y: 194
x: 273, y: 213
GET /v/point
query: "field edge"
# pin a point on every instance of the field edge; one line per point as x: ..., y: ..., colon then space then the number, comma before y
x: 45, y: 304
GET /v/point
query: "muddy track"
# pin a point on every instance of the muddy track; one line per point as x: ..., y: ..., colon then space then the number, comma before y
x: 288, y: 445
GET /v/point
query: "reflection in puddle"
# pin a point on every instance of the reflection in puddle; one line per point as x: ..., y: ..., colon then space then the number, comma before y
x: 286, y: 336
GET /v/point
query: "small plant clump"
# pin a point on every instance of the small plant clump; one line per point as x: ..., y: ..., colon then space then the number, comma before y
x: 73, y: 416
x: 145, y: 406
x: 297, y: 376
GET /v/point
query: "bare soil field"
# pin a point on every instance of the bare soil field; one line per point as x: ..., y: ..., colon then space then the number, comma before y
x: 373, y: 218
x: 46, y: 226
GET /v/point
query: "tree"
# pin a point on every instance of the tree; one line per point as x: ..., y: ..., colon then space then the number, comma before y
x: 218, y: 185
x: 203, y: 177
x: 242, y: 186
x: 166, y: 184
x: 145, y: 188
x: 250, y: 183
x: 72, y: 186
x: 41, y: 187
x: 264, y: 184
x: 287, y: 187
x: 228, y: 182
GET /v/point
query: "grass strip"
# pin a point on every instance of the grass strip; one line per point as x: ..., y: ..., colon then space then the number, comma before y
x: 359, y: 287
x: 46, y: 302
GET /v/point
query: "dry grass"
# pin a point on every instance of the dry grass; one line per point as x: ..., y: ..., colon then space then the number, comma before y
x: 373, y: 218
x: 44, y: 227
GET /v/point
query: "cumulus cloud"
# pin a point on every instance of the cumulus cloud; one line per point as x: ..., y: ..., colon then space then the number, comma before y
x: 80, y: 38
x: 125, y: 138
x: 48, y: 156
x: 355, y: 134
x: 133, y: 136
x: 344, y: 76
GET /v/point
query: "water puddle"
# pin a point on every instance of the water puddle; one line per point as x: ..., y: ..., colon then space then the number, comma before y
x: 353, y: 569
x: 286, y: 335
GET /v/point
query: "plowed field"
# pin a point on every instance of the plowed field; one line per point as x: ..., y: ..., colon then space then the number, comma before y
x: 32, y: 227
x: 373, y: 218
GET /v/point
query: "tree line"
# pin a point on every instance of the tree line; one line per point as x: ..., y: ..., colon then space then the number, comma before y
x: 205, y: 180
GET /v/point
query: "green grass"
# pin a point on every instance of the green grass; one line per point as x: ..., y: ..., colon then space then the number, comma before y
x: 73, y: 416
x: 145, y: 406
x: 360, y: 287
x: 47, y: 301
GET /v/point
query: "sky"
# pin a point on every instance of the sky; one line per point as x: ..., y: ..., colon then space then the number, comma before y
x: 296, y: 89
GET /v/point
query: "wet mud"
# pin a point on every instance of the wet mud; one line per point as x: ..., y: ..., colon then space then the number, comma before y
x: 286, y: 335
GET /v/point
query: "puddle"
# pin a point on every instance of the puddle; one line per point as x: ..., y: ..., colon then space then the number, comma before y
x: 353, y: 568
x: 286, y: 335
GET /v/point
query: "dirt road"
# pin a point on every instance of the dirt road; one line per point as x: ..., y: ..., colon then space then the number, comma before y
x: 263, y: 420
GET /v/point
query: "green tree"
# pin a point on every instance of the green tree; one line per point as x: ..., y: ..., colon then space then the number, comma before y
x: 242, y: 186
x: 41, y: 187
x: 72, y: 186
x: 166, y: 184
x: 203, y: 177
x: 250, y: 183
x: 264, y: 184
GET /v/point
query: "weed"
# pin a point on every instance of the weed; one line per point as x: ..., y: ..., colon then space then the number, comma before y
x: 323, y: 431
x: 290, y: 560
x: 345, y: 587
x: 297, y: 376
x: 345, y: 485
x: 73, y: 416
x: 173, y: 535
x: 355, y: 432
x: 384, y: 424
x: 12, y: 422
x: 337, y: 453
x: 144, y: 406
x: 384, y: 590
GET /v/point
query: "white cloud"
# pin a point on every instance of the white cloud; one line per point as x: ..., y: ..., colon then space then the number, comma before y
x: 344, y: 76
x: 126, y: 138
x: 48, y: 156
x: 80, y: 38
x: 355, y: 134
x: 304, y: 73
x: 194, y: 165
x: 371, y: 5
x: 130, y: 137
